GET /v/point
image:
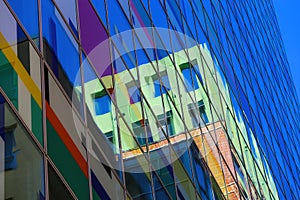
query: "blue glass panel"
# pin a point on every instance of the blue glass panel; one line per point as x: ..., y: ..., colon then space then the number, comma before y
x: 159, y: 191
x: 100, y: 8
x: 157, y: 86
x: 190, y: 79
x: 102, y: 104
x: 118, y: 24
x: 27, y: 12
x: 68, y: 9
x: 174, y: 15
x: 140, y: 17
x: 59, y: 45
x: 166, y: 176
x: 201, y: 175
x: 188, y: 16
x: 138, y: 184
x: 158, y: 14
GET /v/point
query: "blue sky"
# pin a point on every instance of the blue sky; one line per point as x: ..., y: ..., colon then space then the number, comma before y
x: 288, y: 16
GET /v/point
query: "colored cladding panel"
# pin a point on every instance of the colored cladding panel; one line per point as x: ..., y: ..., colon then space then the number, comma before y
x: 37, y: 121
x: 94, y: 39
x: 19, y: 69
x: 8, y: 79
x: 98, y: 187
x: 95, y: 195
x: 92, y: 31
x: 2, y: 117
x: 66, y: 139
x: 66, y: 164
x: 12, y: 71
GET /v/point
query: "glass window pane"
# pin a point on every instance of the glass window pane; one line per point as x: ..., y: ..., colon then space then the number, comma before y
x: 59, y: 47
x: 27, y: 12
x: 68, y: 9
x: 21, y: 160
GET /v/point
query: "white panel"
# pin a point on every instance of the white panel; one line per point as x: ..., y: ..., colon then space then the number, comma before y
x: 35, y: 69
x: 24, y: 102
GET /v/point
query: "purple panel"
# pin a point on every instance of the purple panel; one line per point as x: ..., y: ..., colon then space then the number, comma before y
x: 94, y: 38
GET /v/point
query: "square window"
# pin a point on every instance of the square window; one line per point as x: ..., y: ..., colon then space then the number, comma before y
x: 102, y: 103
x: 158, y: 87
x: 133, y: 93
x: 198, y: 114
x: 166, y: 125
x: 141, y: 131
x: 110, y: 136
x: 191, y: 75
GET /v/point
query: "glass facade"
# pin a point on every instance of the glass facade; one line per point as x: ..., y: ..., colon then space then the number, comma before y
x: 146, y: 99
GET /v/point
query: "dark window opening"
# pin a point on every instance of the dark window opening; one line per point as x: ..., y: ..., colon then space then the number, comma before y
x: 142, y: 132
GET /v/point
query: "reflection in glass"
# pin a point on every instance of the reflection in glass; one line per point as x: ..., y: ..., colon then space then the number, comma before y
x: 59, y: 47
x: 57, y: 190
x: 20, y: 159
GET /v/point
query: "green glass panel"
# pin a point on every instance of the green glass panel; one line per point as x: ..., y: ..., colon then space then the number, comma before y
x: 37, y: 121
x: 8, y: 80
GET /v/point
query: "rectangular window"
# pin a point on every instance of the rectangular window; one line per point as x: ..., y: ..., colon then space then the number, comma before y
x: 191, y: 75
x: 166, y: 125
x: 102, y: 103
x: 162, y: 87
x: 238, y: 170
x: 133, y: 93
x: 21, y: 160
x: 198, y: 114
x: 141, y: 131
x: 110, y: 136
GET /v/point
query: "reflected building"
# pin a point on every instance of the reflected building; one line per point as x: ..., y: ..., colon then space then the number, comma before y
x: 145, y: 100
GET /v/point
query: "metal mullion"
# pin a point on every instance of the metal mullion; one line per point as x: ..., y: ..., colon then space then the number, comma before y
x: 44, y: 116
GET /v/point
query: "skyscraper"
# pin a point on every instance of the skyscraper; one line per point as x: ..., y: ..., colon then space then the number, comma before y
x: 146, y: 99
